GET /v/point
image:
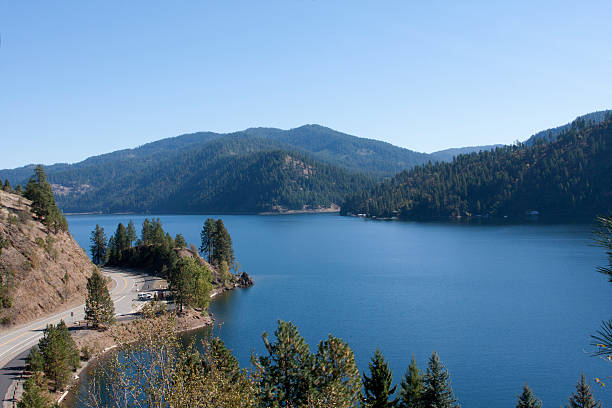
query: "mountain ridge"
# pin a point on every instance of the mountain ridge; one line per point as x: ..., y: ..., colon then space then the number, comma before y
x: 568, y: 176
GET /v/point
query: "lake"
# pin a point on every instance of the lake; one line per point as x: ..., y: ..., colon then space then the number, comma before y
x: 501, y: 304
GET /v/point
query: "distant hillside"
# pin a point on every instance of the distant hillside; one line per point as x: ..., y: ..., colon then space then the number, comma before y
x: 351, y: 153
x: 570, y: 176
x: 233, y: 174
x: 41, y: 271
x: 367, y: 156
x: 552, y: 134
x: 449, y: 154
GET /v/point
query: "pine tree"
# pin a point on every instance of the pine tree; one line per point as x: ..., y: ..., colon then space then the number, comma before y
x: 112, y: 255
x: 99, y: 307
x: 438, y: 392
x: 131, y: 233
x: 7, y: 186
x: 60, y: 354
x: 169, y: 241
x: 219, y: 357
x: 39, y: 192
x: 286, y: 372
x: 527, y: 399
x: 583, y: 397
x: 412, y: 387
x: 223, y: 249
x: 158, y: 236
x: 377, y: 387
x: 179, y: 241
x: 33, y: 396
x: 208, y: 238
x: 98, y: 245
x: 147, y: 233
x: 34, y: 361
x: 336, y: 377
x: 121, y: 239
x: 72, y: 352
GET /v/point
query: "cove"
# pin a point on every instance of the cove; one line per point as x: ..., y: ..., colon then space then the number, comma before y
x: 502, y: 304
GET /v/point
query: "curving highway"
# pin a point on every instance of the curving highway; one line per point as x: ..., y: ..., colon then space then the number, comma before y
x: 15, y: 344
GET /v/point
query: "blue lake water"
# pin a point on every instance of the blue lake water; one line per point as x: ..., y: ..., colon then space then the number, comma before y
x: 501, y: 304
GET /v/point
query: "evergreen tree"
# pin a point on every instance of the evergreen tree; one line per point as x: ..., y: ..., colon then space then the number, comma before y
x: 112, y: 254
x: 19, y: 190
x: 98, y: 245
x: 99, y: 307
x: 121, y: 239
x: 223, y: 249
x: 158, y: 236
x: 34, y: 361
x: 147, y: 233
x: 412, y: 387
x: 169, y: 241
x: 527, y: 399
x: 208, y: 238
x: 39, y: 192
x: 336, y: 377
x: 218, y: 355
x: 33, y: 396
x: 131, y: 233
x: 377, y: 387
x: 286, y: 372
x: 60, y: 354
x: 7, y: 186
x: 179, y: 241
x: 583, y: 397
x: 438, y: 392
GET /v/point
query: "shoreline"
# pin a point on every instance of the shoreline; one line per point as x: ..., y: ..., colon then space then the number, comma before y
x: 191, y: 320
x: 105, y: 341
x: 327, y: 210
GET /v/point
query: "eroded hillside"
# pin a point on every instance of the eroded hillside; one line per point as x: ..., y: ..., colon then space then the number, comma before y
x: 41, y: 271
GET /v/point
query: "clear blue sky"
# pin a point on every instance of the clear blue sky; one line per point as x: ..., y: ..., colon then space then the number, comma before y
x: 80, y: 78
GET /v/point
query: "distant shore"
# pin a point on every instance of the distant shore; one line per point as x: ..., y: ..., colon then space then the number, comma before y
x: 327, y: 210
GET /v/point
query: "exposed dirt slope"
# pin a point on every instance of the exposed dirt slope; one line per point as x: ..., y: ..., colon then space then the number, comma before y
x: 41, y: 271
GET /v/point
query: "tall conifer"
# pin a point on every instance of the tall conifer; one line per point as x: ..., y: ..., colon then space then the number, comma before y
x: 527, y: 399
x: 412, y: 387
x: 583, y: 397
x: 99, y: 307
x: 98, y: 245
x: 377, y: 387
x: 438, y: 392
x: 131, y: 233
x: 287, y: 369
x: 208, y: 238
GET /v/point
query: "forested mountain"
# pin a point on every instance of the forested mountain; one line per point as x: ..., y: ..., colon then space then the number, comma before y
x: 449, y: 154
x: 551, y: 134
x: 570, y: 176
x: 351, y: 153
x: 243, y: 174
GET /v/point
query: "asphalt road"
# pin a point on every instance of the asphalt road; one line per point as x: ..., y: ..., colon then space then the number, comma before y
x: 15, y: 344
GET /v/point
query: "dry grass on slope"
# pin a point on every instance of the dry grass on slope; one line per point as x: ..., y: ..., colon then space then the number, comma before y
x: 41, y: 272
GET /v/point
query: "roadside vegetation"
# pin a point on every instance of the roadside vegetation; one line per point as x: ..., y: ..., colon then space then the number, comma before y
x: 99, y: 307
x: 191, y: 277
